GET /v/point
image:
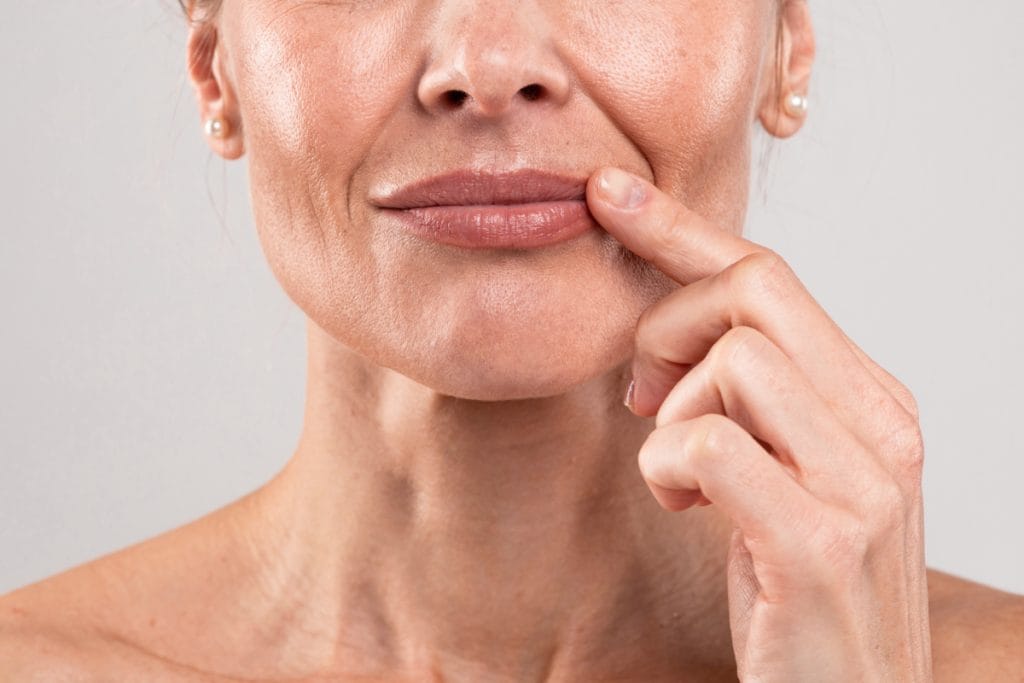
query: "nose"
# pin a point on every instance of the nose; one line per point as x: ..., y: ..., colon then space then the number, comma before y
x: 491, y: 56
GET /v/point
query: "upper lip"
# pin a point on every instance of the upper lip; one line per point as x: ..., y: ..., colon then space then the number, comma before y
x: 475, y: 187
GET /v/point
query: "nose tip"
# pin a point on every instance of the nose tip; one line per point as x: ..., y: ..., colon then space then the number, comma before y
x: 487, y: 68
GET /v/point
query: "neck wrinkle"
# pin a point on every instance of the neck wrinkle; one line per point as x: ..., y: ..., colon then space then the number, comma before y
x: 424, y: 533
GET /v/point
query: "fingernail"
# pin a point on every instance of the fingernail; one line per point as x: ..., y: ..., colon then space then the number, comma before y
x: 620, y: 188
x: 628, y: 401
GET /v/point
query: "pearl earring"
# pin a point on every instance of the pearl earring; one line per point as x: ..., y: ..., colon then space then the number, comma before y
x: 795, y: 105
x: 215, y: 127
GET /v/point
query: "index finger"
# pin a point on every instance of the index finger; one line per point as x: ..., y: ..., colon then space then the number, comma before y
x: 679, y: 242
x: 688, y: 248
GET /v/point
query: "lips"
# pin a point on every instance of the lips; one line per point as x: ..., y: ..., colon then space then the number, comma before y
x: 473, y: 209
x: 468, y: 187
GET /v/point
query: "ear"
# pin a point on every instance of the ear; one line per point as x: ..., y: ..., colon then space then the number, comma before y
x: 790, y: 70
x: 214, y: 93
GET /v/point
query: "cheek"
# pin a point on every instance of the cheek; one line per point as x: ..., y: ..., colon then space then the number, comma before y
x: 313, y: 74
x: 680, y: 80
x: 315, y: 85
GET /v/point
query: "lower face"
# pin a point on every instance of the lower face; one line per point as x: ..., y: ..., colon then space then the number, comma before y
x: 332, y: 105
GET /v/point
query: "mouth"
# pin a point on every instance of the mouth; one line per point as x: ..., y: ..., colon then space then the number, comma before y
x: 472, y: 209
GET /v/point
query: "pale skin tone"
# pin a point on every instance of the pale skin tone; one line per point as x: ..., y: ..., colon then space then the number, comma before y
x: 470, y: 500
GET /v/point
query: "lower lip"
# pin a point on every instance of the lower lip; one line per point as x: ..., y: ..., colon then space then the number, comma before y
x: 504, y: 226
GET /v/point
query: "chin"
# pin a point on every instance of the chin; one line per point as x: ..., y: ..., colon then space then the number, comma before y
x: 510, y: 371
x: 496, y: 346
x: 485, y: 327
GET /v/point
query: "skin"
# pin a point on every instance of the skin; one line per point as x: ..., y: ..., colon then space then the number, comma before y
x: 469, y: 498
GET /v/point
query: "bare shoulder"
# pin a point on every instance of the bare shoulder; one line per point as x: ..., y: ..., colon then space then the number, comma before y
x: 34, y: 651
x: 977, y: 631
x: 52, y: 631
x: 44, y: 630
x: 31, y: 652
x: 36, y: 648
x: 90, y: 622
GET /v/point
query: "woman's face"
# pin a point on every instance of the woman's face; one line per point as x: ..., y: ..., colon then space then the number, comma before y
x: 338, y: 101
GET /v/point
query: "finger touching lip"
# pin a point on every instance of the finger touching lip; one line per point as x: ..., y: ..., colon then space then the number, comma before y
x: 660, y: 229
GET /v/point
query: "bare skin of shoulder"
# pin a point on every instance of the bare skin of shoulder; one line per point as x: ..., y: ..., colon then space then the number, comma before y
x: 114, y: 618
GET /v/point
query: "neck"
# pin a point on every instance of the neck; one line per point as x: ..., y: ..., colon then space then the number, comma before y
x: 434, y: 534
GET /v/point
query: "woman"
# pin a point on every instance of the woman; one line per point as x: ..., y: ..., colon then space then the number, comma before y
x: 435, y: 184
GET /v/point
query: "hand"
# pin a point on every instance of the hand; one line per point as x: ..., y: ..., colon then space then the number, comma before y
x: 765, y: 408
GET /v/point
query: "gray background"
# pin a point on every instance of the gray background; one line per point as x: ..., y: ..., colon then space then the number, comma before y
x: 152, y: 370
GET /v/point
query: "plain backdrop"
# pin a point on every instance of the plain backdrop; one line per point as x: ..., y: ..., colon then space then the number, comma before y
x: 152, y: 370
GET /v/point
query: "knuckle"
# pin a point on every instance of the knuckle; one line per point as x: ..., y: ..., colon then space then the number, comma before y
x: 644, y: 324
x: 651, y: 459
x: 763, y: 273
x: 707, y: 434
x: 738, y: 348
x: 903, y: 446
x: 899, y: 391
x: 909, y: 402
x: 646, y: 462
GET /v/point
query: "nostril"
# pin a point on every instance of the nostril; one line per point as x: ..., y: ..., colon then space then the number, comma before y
x: 532, y: 91
x: 455, y: 97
